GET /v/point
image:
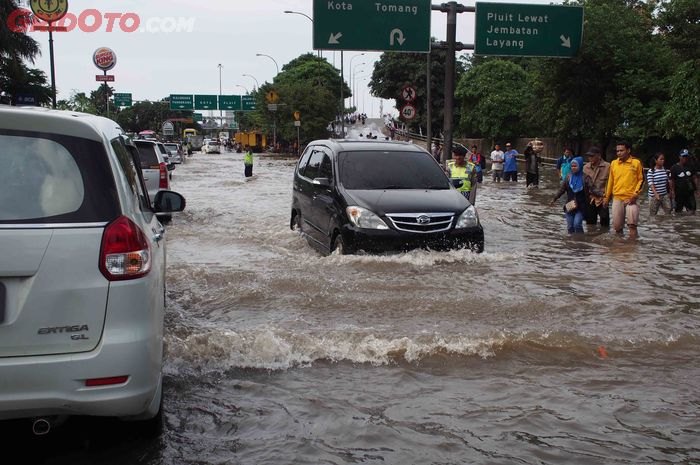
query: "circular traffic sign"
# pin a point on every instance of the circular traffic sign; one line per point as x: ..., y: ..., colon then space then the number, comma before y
x: 104, y: 58
x: 409, y: 112
x: 409, y: 93
x: 49, y: 10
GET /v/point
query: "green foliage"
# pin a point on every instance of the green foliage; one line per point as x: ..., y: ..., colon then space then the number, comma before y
x: 79, y: 102
x: 682, y: 113
x: 616, y: 86
x: 149, y: 116
x: 307, y: 84
x: 15, y: 49
x: 17, y: 78
x: 679, y: 25
x: 309, y: 68
x: 395, y: 70
x: 494, y: 97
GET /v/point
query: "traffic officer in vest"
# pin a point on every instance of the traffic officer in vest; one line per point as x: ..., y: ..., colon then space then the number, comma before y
x: 248, y: 161
x: 459, y: 169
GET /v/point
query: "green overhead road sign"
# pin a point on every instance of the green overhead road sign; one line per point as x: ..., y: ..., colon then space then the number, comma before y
x: 230, y: 102
x: 181, y: 102
x: 122, y: 100
x: 516, y: 29
x: 248, y: 103
x: 198, y: 117
x: 205, y: 102
x: 377, y: 25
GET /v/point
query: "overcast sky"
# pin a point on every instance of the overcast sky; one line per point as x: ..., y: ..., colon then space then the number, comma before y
x: 152, y: 65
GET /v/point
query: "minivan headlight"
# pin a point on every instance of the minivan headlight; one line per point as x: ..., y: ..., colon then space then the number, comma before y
x: 365, y: 219
x: 468, y: 219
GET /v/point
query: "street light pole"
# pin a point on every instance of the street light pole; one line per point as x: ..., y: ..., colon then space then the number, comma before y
x: 242, y: 87
x: 253, y: 77
x: 221, y: 112
x: 273, y: 60
x: 354, y: 83
x: 351, y: 76
x: 307, y: 17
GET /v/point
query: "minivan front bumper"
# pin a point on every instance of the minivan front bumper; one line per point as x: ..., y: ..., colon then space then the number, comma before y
x: 375, y: 240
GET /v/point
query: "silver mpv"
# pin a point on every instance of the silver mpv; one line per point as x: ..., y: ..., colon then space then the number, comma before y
x: 82, y: 271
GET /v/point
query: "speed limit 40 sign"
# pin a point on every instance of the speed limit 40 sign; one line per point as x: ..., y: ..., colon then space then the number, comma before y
x: 408, y: 112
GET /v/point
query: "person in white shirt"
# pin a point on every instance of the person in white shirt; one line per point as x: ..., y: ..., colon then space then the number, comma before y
x: 497, y: 163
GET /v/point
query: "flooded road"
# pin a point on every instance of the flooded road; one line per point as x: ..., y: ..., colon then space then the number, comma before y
x: 543, y: 349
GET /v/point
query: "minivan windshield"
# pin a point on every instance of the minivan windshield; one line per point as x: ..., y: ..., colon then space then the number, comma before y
x: 390, y: 170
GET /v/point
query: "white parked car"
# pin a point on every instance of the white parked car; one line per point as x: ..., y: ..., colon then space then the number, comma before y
x: 82, y: 271
x: 211, y: 146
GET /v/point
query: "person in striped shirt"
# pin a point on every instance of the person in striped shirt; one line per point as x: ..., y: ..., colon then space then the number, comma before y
x: 657, y: 179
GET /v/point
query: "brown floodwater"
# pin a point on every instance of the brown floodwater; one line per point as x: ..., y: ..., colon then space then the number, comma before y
x: 543, y: 349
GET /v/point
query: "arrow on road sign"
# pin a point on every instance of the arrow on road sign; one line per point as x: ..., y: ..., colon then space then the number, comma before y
x: 333, y: 39
x: 565, y: 41
x: 399, y: 33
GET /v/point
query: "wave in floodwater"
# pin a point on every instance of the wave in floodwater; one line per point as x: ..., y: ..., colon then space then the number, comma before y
x: 276, y: 349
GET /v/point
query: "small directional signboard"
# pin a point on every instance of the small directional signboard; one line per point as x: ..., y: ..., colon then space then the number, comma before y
x: 408, y: 112
x: 104, y: 78
x: 517, y: 29
x: 377, y: 25
x: 408, y: 93
x: 205, y: 102
x: 123, y: 100
x: 181, y: 102
x: 168, y: 129
x: 230, y: 102
x: 198, y: 117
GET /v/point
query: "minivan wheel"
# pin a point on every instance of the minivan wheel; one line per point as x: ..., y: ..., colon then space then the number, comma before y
x: 478, y: 247
x: 340, y: 246
x: 295, y: 223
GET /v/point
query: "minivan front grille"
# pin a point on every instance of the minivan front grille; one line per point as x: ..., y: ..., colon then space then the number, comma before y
x: 424, y: 223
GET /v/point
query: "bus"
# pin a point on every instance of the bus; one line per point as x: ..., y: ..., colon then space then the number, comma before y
x: 192, y: 136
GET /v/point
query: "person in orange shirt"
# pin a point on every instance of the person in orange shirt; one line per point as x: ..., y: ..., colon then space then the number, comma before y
x: 624, y: 186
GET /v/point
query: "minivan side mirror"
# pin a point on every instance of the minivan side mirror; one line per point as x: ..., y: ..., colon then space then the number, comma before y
x: 171, y: 167
x: 457, y: 183
x: 322, y: 182
x: 169, y: 202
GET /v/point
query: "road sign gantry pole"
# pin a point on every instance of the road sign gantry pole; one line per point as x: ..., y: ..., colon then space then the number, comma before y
x: 452, y: 9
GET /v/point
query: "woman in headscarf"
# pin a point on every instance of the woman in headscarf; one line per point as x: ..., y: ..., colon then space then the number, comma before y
x: 575, y: 208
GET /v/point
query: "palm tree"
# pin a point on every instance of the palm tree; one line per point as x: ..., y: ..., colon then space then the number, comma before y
x: 15, y: 45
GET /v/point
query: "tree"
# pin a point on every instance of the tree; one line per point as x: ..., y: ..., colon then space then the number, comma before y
x: 616, y: 87
x: 314, y: 70
x: 15, y: 49
x: 79, y: 102
x: 396, y: 70
x: 679, y: 26
x: 306, y: 84
x: 494, y: 96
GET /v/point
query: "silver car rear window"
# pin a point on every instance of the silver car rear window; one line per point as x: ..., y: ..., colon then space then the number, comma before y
x: 49, y: 178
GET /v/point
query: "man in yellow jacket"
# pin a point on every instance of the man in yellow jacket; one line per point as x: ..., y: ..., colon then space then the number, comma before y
x: 624, y: 186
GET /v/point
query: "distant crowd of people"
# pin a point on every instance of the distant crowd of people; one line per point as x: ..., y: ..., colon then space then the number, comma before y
x: 591, y: 188
x: 597, y: 192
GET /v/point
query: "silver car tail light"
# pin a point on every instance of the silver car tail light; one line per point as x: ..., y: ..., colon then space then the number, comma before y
x: 125, y: 252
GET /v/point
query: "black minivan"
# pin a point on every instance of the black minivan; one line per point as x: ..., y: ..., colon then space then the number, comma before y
x: 379, y: 196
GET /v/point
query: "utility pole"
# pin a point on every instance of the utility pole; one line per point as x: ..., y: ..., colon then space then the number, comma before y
x: 429, y: 129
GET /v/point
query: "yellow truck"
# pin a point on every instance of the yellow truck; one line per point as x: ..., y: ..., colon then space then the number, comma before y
x: 256, y: 140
